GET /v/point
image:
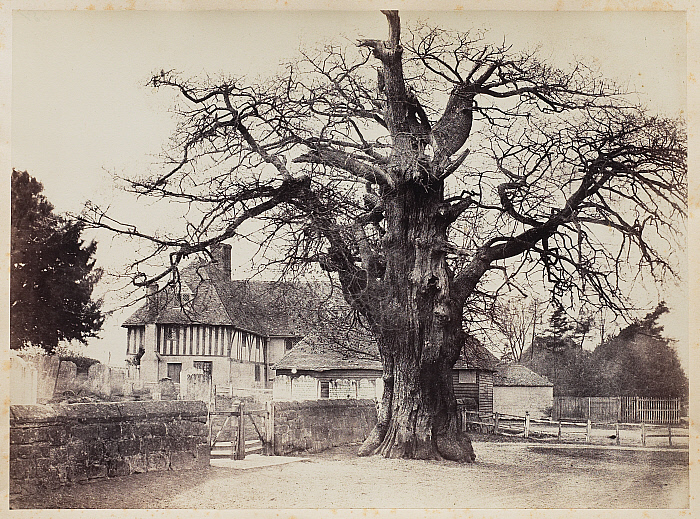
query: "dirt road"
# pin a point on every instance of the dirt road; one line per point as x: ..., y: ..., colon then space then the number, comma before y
x: 506, y: 475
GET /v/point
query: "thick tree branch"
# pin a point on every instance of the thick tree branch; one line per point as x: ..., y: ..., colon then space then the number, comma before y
x: 347, y: 162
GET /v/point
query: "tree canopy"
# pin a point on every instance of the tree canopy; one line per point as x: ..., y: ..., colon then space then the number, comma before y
x: 52, y: 272
x: 423, y: 173
x: 638, y: 361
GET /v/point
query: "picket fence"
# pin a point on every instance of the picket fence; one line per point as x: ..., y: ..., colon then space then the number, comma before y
x: 618, y: 409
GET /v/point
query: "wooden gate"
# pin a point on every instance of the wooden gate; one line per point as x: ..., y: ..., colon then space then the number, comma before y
x: 241, y: 431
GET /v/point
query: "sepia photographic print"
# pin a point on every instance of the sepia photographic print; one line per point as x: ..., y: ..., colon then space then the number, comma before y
x: 286, y: 260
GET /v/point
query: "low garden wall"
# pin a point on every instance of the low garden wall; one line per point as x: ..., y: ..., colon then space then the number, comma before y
x: 54, y: 445
x: 316, y: 425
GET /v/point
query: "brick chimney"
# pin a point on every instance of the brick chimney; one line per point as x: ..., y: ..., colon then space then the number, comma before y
x: 222, y: 257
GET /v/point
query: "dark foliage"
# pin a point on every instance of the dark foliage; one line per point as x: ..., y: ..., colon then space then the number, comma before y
x: 638, y: 361
x: 52, y: 273
x: 565, y: 365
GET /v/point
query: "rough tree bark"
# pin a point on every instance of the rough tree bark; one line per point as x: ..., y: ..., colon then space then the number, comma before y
x: 420, y: 330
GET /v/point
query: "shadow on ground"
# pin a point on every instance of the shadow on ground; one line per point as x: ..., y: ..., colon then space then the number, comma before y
x: 505, y: 475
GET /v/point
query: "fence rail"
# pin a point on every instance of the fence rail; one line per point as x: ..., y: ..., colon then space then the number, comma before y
x: 563, y: 430
x: 618, y: 409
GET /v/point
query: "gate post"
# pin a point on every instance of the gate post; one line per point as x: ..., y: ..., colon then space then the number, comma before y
x: 527, y: 424
x: 234, y: 437
x: 270, y: 428
x: 588, y: 430
x: 240, y: 454
x: 589, y: 408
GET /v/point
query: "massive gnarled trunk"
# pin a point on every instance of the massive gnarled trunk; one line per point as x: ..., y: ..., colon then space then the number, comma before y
x: 420, y: 329
x: 420, y: 334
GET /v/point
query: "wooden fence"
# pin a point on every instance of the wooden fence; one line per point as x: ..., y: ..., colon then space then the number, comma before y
x: 617, y: 409
x: 650, y: 410
x: 560, y: 430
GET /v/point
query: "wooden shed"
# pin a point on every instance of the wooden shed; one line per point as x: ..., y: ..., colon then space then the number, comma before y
x: 472, y: 377
x: 330, y: 364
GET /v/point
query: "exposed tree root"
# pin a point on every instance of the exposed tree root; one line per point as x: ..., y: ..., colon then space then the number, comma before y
x: 371, y: 444
x: 457, y: 448
x: 450, y: 447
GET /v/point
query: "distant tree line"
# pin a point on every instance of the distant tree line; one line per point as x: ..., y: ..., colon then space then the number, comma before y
x: 638, y: 361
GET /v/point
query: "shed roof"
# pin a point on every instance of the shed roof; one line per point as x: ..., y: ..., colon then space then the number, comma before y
x: 518, y: 375
x: 475, y: 356
x: 333, y: 349
x: 338, y: 347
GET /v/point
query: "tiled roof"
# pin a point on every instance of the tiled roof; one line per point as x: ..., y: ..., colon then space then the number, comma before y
x: 205, y: 306
x: 326, y: 350
x: 518, y: 375
x: 265, y: 307
x: 282, y: 309
x: 357, y: 349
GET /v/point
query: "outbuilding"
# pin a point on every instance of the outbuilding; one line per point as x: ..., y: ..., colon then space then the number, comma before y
x: 517, y: 390
x: 330, y: 364
x: 341, y: 363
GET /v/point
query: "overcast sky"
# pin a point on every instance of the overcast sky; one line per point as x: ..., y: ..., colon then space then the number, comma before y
x: 81, y: 109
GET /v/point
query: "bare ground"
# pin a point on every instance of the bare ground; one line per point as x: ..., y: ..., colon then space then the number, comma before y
x: 505, y: 475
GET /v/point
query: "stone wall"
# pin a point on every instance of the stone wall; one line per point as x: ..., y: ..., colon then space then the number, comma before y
x: 314, y: 426
x: 55, y: 445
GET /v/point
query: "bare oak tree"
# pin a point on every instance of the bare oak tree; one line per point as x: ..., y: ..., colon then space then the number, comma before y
x: 355, y: 159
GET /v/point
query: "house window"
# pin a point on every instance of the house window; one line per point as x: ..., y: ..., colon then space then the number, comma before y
x: 288, y: 343
x: 325, y: 389
x: 174, y: 369
x: 204, y: 365
x: 170, y: 334
x: 257, y: 373
x: 467, y: 376
x: 134, y: 339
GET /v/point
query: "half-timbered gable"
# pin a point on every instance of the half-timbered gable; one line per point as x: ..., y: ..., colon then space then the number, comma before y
x: 217, y: 325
